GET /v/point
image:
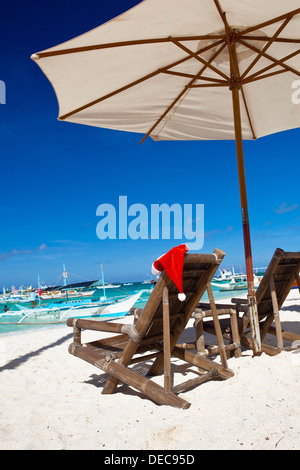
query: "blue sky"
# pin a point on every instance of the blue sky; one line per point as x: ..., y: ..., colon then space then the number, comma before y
x: 56, y: 174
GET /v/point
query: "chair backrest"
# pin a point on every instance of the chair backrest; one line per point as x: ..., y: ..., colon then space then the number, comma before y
x: 198, y: 270
x: 284, y: 266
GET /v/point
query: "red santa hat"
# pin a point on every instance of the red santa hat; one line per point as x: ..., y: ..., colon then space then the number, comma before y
x: 172, y: 263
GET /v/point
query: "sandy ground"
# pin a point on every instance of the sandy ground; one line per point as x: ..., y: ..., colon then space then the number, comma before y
x: 52, y: 400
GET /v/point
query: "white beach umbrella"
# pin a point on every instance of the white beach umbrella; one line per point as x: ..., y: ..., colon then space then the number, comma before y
x: 186, y: 70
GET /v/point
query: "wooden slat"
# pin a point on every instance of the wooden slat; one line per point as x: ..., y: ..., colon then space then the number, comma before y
x: 264, y: 284
x: 292, y: 254
x: 193, y: 301
x: 192, y: 383
x: 287, y: 335
x: 202, y: 362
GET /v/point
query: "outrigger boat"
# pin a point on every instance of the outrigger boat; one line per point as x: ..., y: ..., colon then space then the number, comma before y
x: 66, y: 293
x: 238, y: 283
x: 224, y: 277
x: 21, y: 295
x: 58, y: 313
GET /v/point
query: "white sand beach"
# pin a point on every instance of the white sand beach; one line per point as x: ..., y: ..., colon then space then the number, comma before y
x: 52, y: 400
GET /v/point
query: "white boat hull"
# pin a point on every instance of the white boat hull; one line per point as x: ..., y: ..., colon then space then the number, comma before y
x: 60, y: 314
x: 233, y: 285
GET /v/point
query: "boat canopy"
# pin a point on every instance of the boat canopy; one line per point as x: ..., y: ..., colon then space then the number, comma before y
x: 77, y: 285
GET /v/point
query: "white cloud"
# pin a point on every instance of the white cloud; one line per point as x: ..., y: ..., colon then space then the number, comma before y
x: 5, y: 255
x: 42, y: 247
x: 284, y: 208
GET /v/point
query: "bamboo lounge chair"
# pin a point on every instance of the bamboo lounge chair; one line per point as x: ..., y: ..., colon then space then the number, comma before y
x: 280, y: 276
x: 157, y: 329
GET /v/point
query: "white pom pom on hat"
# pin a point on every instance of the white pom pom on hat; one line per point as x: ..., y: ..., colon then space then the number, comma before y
x: 172, y: 263
x: 181, y: 297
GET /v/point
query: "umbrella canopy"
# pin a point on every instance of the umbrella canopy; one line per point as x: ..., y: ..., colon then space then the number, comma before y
x: 126, y: 73
x: 186, y: 70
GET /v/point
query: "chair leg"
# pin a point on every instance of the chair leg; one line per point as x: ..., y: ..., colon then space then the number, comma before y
x: 276, y: 314
x: 167, y: 346
x: 235, y: 334
x: 217, y: 326
x: 244, y: 324
x: 200, y: 344
x: 113, y: 381
x: 154, y: 391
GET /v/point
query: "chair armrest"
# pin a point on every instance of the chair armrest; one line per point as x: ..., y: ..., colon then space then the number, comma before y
x: 95, y: 325
x: 130, y: 330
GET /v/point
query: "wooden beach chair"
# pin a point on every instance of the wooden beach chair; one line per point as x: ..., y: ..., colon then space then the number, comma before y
x: 280, y: 276
x: 154, y: 336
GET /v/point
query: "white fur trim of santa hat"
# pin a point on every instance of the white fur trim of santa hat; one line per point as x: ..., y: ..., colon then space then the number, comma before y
x: 154, y: 271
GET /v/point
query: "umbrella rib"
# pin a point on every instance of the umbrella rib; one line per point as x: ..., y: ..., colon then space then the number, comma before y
x: 181, y: 94
x: 265, y: 69
x: 137, y: 42
x: 222, y: 15
x: 262, y: 38
x: 195, y: 56
x: 248, y: 113
x: 228, y: 37
x: 206, y: 85
x: 267, y: 75
x: 266, y: 47
x: 165, y: 113
x: 136, y: 82
x: 235, y: 64
x: 268, y: 23
x: 272, y: 59
x: 189, y: 75
x: 267, y: 38
x: 236, y: 70
x: 287, y: 17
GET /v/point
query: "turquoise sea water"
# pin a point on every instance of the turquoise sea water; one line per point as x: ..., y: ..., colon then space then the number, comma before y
x: 123, y: 290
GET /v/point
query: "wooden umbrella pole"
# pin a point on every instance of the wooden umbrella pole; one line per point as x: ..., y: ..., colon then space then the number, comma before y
x: 253, y: 314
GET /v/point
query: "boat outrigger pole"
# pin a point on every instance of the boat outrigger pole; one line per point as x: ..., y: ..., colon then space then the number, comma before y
x: 103, y: 284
